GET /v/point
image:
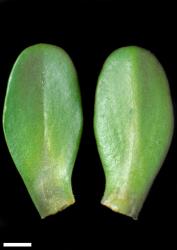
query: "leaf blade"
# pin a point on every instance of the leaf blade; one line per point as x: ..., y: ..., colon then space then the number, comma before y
x: 133, y: 124
x: 42, y: 122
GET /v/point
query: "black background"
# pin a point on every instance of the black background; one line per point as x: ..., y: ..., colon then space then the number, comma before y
x: 89, y: 31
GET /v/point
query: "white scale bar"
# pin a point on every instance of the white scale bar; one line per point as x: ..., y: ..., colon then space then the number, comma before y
x: 25, y: 244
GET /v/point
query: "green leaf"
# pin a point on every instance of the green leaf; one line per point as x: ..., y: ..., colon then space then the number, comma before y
x: 42, y: 122
x: 133, y: 125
